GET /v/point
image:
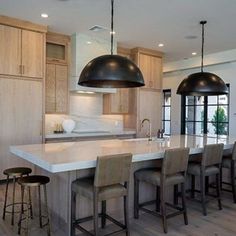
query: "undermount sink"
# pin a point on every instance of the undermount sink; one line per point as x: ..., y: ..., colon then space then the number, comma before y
x: 154, y: 139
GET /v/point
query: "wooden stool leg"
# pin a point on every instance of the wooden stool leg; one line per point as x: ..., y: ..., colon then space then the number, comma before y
x: 136, y: 198
x: 158, y: 199
x: 163, y: 210
x: 184, y: 202
x: 22, y: 210
x: 73, y: 212
x: 31, y: 208
x: 203, y: 196
x: 218, y: 191
x: 5, y: 201
x: 176, y: 194
x: 95, y: 212
x: 46, y: 208
x: 13, y: 201
x: 40, y: 208
x: 103, y: 219
x: 232, y: 173
x: 126, y: 214
x: 192, y: 186
x: 221, y: 178
x: 27, y: 213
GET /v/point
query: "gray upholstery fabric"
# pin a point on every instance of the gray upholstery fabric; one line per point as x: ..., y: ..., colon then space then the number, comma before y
x: 194, y: 169
x: 85, y: 187
x: 153, y: 176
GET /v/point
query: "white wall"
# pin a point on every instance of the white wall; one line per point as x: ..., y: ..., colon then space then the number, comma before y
x: 171, y: 80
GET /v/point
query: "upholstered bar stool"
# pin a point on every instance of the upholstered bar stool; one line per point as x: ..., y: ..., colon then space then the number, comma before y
x: 111, y: 181
x: 209, y: 165
x: 13, y: 173
x: 27, y: 183
x: 173, y: 172
x: 228, y: 162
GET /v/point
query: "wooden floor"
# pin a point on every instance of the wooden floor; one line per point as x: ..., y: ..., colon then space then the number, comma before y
x: 217, y: 223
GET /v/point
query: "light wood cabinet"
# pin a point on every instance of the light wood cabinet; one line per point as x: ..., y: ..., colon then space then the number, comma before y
x: 150, y: 64
x: 32, y: 54
x: 22, y: 52
x: 21, y: 109
x: 117, y: 103
x: 10, y: 50
x: 56, y: 88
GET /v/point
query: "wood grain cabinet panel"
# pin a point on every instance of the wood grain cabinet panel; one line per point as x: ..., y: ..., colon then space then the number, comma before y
x: 56, y: 88
x: 10, y: 50
x: 32, y: 54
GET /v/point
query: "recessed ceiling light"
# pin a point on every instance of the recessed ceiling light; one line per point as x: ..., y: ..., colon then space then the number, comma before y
x: 112, y: 32
x: 160, y: 45
x: 44, y: 15
x: 194, y: 53
x: 89, y: 42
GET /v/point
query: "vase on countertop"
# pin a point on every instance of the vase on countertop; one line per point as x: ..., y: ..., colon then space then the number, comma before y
x: 68, y: 125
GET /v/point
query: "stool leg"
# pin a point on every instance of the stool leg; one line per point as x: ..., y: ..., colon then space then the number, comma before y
x: 30, y: 199
x: 192, y: 186
x: 27, y: 213
x: 103, y: 214
x: 13, y: 201
x: 176, y: 194
x: 47, y: 212
x: 221, y: 178
x: 184, y: 202
x: 218, y: 191
x: 22, y: 209
x: 95, y: 212
x: 232, y: 173
x: 203, y: 197
x: 158, y: 199
x: 126, y: 214
x: 40, y: 209
x: 5, y: 201
x: 163, y: 210
x: 136, y: 198
x: 73, y: 212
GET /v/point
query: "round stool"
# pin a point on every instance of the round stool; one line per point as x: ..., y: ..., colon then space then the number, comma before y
x: 14, y: 173
x: 27, y: 183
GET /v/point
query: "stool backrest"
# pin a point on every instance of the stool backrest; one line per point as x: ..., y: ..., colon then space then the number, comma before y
x: 175, y: 161
x: 212, y: 154
x: 234, y: 152
x: 112, y: 169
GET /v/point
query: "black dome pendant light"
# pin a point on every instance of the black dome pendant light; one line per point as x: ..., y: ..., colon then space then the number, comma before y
x: 111, y: 71
x: 202, y: 83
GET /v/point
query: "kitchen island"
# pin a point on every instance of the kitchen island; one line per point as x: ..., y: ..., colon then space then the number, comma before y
x: 64, y: 162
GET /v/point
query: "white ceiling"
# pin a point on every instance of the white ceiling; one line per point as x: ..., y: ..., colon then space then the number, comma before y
x: 142, y: 23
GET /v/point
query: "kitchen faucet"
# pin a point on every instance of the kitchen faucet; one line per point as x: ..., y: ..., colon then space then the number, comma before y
x: 150, y: 128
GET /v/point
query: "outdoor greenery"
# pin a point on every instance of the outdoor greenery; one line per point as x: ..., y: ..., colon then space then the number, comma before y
x: 218, y: 120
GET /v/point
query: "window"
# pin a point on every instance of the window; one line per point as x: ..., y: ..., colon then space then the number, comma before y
x: 166, y: 111
x: 205, y: 115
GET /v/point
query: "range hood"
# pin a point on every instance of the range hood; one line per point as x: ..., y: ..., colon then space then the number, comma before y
x: 84, y: 48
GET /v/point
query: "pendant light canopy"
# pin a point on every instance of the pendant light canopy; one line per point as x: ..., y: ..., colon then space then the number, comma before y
x: 111, y: 71
x: 202, y: 83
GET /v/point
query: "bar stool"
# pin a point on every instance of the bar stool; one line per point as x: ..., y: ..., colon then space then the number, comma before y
x: 27, y: 183
x: 228, y: 162
x: 14, y: 173
x: 111, y: 181
x: 173, y: 172
x: 210, y: 165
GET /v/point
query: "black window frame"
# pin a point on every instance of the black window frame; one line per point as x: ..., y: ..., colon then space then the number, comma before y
x: 205, y: 109
x: 163, y: 120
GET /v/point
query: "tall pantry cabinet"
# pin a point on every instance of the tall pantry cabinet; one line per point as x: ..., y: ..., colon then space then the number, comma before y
x: 22, y: 73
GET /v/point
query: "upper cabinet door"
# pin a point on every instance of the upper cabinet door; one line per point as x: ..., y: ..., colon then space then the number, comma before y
x: 10, y: 50
x: 32, y: 54
x: 145, y: 67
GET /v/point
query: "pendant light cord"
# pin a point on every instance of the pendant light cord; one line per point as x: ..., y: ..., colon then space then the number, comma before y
x: 112, y: 25
x: 203, y: 39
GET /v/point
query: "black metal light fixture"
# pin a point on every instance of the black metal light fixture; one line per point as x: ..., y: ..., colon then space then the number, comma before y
x: 111, y: 71
x: 202, y: 83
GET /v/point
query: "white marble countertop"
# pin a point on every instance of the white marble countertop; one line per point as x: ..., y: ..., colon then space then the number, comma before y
x: 83, y: 134
x: 60, y: 157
